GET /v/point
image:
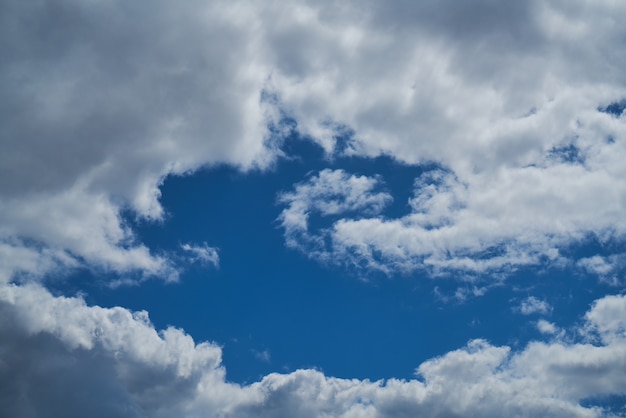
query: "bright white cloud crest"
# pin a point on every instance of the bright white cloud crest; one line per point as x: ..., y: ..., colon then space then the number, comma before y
x: 102, y: 100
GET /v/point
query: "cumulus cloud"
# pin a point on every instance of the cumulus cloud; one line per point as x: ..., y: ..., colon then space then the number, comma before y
x: 519, y: 104
x: 101, y: 101
x: 524, y: 126
x: 606, y: 317
x: 63, y: 357
x: 498, y: 224
x: 546, y: 327
x: 330, y: 192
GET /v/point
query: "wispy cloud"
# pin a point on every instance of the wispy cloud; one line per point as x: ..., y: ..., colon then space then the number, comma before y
x: 329, y: 193
x: 263, y: 356
x: 202, y: 254
x: 532, y: 305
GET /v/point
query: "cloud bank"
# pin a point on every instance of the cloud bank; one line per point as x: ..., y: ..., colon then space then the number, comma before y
x: 62, y: 357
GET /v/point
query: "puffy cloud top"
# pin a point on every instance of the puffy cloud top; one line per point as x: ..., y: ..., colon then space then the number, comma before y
x: 115, y: 363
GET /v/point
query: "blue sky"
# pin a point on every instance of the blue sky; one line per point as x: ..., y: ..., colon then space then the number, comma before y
x: 373, y: 209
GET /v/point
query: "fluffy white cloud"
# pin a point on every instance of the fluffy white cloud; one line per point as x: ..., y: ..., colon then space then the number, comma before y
x: 498, y: 224
x: 510, y: 108
x: 607, y: 317
x: 62, y: 357
x: 546, y: 327
x: 103, y: 99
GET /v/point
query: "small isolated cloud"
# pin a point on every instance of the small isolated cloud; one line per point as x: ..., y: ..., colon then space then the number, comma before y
x: 546, y: 327
x: 532, y: 305
x: 609, y: 269
x: 202, y: 254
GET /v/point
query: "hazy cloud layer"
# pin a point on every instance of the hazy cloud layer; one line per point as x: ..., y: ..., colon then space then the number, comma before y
x: 62, y: 357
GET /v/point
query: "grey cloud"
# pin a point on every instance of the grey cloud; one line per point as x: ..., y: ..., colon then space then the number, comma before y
x: 91, y: 83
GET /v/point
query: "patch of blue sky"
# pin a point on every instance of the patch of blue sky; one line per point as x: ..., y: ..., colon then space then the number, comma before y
x: 266, y: 298
x: 615, y: 108
x: 612, y: 405
x: 569, y: 154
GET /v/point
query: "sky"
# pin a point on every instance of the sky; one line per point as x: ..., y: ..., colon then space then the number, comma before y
x: 313, y: 209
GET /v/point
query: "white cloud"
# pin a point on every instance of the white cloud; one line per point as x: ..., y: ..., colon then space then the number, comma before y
x: 62, y: 357
x: 495, y: 94
x: 606, y: 317
x: 330, y: 192
x: 103, y: 99
x: 202, y: 253
x: 532, y: 305
x: 610, y: 269
x: 129, y: 95
x: 76, y: 227
x: 546, y: 327
x: 502, y: 106
x: 597, y: 264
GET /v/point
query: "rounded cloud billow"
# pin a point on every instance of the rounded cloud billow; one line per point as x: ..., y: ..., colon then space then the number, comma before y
x: 138, y: 371
x: 519, y: 106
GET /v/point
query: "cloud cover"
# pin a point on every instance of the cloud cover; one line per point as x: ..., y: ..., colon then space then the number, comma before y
x: 517, y: 103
